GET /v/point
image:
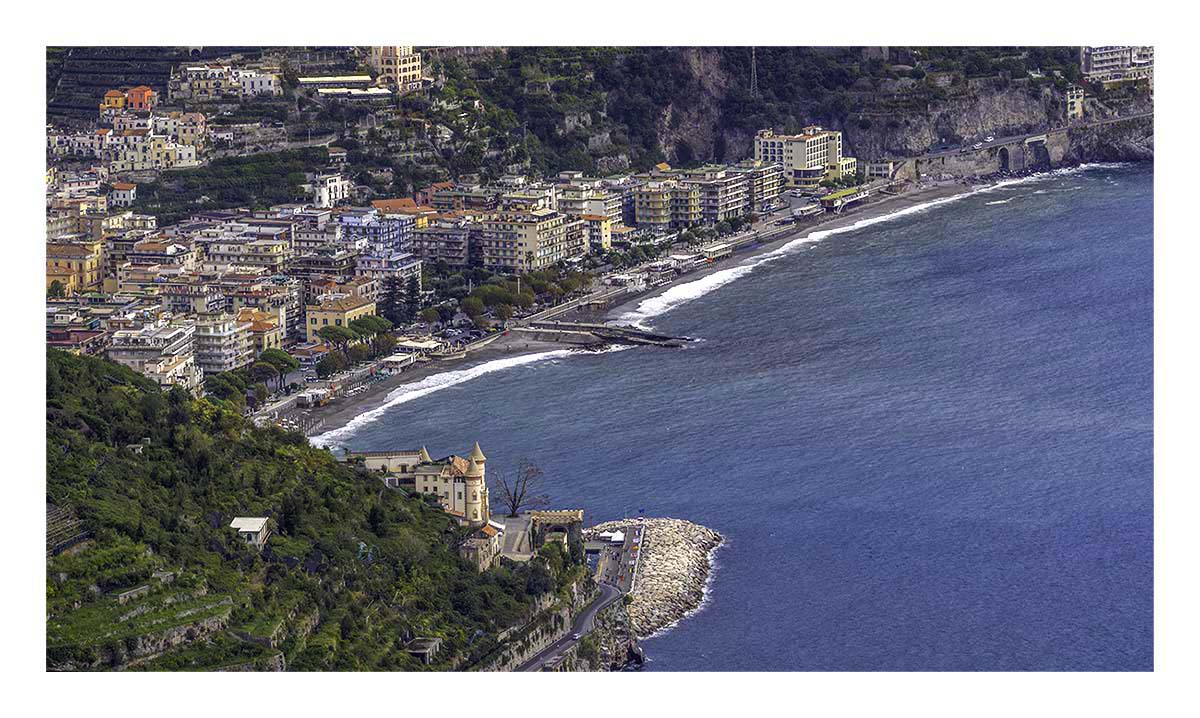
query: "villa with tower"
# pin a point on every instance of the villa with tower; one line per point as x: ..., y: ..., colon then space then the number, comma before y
x: 458, y: 482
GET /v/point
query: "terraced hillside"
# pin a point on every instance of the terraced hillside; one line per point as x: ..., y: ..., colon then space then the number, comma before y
x: 78, y: 77
x: 352, y: 577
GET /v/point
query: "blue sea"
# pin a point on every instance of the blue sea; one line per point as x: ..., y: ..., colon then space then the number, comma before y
x: 927, y: 439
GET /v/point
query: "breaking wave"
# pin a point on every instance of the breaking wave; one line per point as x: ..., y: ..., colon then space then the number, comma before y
x: 427, y: 386
x: 681, y: 294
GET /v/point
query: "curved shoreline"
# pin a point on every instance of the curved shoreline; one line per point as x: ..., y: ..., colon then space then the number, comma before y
x: 674, y: 574
x: 336, y: 419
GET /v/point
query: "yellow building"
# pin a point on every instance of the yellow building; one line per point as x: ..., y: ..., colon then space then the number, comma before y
x: 459, y: 483
x: 84, y: 261
x: 397, y: 65
x: 808, y: 158
x: 764, y: 182
x: 519, y: 242
x: 265, y: 329
x: 335, y: 313
x: 599, y: 232
x: 666, y: 204
x: 66, y: 281
x: 113, y: 100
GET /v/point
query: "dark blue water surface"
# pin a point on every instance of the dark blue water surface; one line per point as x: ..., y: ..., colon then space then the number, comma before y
x: 928, y: 441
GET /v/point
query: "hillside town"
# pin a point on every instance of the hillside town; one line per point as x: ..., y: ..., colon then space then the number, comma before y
x: 343, y: 276
x: 270, y: 237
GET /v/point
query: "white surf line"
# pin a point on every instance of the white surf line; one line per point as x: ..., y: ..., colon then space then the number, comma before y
x: 683, y: 293
x: 427, y: 386
x: 705, y: 594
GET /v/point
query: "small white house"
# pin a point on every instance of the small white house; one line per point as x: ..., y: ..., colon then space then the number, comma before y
x: 123, y: 194
x: 254, y: 531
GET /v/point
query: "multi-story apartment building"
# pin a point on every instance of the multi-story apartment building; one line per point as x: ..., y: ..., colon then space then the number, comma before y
x: 1110, y: 64
x: 279, y: 296
x: 266, y: 331
x: 270, y: 254
x: 122, y: 194
x: 661, y: 205
x: 397, y: 65
x: 724, y: 195
x: 188, y: 128
x: 445, y: 239
x: 808, y: 158
x: 309, y: 237
x: 82, y: 261
x: 598, y: 228
x: 371, y: 231
x: 591, y: 199
x: 337, y: 312
x: 253, y: 83
x: 400, y: 266
x: 222, y: 343
x: 764, y: 182
x: 520, y: 242
x: 162, y: 352
x: 188, y: 294
x: 337, y: 264
x: 211, y: 82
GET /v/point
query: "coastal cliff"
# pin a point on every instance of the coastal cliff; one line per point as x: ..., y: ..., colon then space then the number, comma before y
x: 1125, y: 141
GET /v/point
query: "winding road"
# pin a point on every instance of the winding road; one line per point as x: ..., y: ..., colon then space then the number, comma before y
x: 582, y: 625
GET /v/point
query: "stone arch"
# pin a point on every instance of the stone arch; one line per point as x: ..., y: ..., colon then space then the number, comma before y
x: 1004, y: 160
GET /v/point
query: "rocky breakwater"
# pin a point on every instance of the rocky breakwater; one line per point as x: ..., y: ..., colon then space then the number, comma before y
x: 672, y: 573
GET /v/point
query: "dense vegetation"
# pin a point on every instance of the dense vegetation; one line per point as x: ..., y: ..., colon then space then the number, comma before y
x: 351, y: 573
x: 255, y: 181
x: 546, y: 104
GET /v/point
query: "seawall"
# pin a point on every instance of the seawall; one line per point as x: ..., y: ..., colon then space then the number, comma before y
x: 672, y: 574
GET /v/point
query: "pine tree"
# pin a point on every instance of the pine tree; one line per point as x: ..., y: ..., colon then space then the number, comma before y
x: 391, y: 303
x: 412, y: 299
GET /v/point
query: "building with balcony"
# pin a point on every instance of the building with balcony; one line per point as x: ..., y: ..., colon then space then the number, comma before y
x: 445, y: 239
x: 764, y: 183
x: 661, y: 205
x: 809, y: 158
x: 223, y: 343
x: 1074, y: 102
x: 1113, y: 64
x: 724, y: 195
x: 397, y: 65
x: 164, y: 353
x: 520, y: 242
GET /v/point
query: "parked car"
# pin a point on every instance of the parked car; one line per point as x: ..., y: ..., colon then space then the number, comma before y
x: 990, y: 139
x: 977, y: 145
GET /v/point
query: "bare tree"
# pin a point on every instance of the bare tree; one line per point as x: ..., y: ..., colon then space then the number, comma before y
x: 521, y: 489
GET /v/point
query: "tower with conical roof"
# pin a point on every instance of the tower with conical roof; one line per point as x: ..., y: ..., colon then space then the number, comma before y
x: 476, y: 509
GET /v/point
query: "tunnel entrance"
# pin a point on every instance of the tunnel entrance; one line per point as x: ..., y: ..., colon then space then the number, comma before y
x: 1004, y: 166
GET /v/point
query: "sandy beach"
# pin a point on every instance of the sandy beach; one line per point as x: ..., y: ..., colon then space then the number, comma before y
x: 341, y: 411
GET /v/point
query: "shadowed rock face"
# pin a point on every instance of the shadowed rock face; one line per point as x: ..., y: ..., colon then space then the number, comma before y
x: 1115, y: 142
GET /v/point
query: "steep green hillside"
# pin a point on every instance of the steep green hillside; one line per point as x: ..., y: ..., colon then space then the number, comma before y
x: 352, y: 572
x: 606, y: 109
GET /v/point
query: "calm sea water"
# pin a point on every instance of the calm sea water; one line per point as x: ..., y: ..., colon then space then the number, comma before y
x: 927, y: 440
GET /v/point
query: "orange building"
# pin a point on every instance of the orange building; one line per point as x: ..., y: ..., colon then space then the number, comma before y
x: 141, y: 98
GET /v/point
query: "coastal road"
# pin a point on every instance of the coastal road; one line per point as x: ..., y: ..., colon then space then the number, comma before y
x: 582, y: 625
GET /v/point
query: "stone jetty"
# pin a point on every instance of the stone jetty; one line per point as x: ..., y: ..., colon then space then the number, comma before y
x: 676, y: 560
